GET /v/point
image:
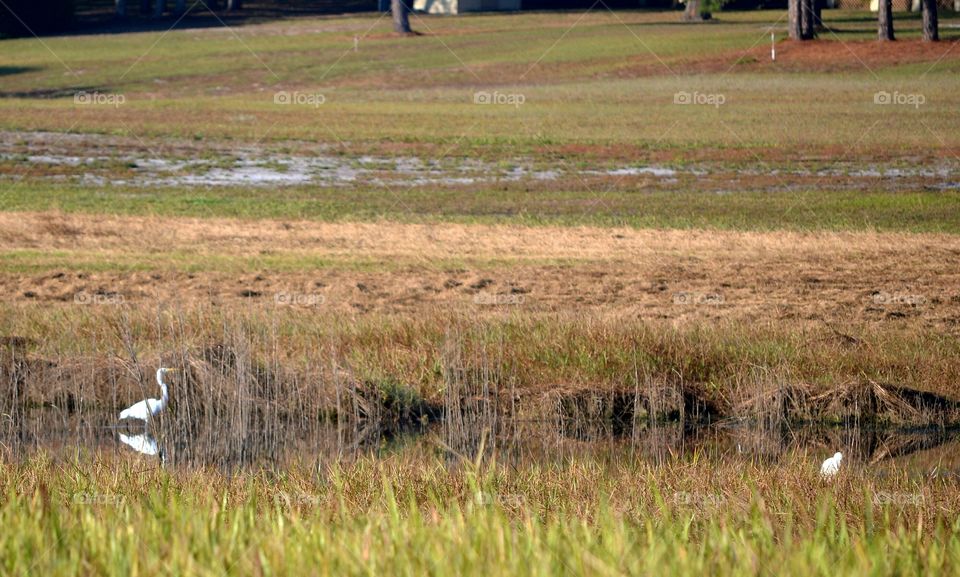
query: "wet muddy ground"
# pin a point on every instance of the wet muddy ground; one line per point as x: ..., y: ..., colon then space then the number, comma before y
x: 101, y: 160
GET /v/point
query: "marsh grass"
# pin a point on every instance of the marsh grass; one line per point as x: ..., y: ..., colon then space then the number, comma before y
x: 255, y: 379
x: 287, y: 358
x: 418, y: 514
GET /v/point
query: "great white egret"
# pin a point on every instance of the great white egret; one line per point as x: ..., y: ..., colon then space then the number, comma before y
x: 831, y: 466
x: 149, y: 407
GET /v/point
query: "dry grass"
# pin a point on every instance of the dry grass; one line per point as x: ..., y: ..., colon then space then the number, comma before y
x: 900, y: 281
x: 262, y: 373
x: 108, y: 233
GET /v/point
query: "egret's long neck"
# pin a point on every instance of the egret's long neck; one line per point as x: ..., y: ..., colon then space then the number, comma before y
x: 164, y: 395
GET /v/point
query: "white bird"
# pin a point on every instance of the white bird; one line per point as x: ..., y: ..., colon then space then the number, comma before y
x: 831, y: 466
x: 145, y: 443
x: 149, y: 407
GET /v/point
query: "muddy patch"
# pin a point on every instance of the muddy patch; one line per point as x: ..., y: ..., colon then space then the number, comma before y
x: 102, y: 160
x: 99, y: 160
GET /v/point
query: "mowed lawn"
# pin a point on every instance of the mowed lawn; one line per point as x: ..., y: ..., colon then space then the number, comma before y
x: 761, y: 146
x: 594, y: 80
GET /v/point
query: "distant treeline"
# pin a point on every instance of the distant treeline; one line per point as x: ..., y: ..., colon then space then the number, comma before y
x: 26, y: 17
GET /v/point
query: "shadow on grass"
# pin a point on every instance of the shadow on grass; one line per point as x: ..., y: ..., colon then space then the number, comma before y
x: 52, y: 93
x: 11, y: 70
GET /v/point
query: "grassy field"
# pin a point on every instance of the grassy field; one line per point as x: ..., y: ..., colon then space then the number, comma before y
x: 416, y: 516
x: 330, y: 232
x: 597, y: 80
x: 603, y: 83
x: 808, y: 210
x: 188, y: 123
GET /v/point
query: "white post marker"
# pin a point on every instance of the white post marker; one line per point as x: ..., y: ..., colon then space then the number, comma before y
x: 773, y: 47
x: 356, y: 43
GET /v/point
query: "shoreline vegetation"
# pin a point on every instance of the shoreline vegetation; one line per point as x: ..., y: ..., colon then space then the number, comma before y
x: 523, y: 365
x: 420, y: 515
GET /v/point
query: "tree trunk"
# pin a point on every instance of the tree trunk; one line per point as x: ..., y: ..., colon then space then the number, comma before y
x: 795, y: 22
x: 692, y: 12
x: 121, y: 8
x: 401, y: 16
x: 144, y: 7
x: 806, y: 20
x: 818, y: 14
x: 234, y: 5
x: 159, y: 8
x: 885, y: 20
x: 931, y: 32
x: 181, y: 7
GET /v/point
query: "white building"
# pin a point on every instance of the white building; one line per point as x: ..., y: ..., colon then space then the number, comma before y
x: 458, y: 6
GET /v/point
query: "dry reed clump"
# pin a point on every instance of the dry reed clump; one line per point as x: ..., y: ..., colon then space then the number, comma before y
x: 779, y: 402
x: 259, y: 371
x: 886, y: 404
x: 586, y: 413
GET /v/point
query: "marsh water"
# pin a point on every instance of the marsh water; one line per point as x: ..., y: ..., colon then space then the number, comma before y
x: 917, y: 452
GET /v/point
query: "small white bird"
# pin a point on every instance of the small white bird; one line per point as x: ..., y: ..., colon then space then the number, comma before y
x: 149, y: 407
x: 831, y: 466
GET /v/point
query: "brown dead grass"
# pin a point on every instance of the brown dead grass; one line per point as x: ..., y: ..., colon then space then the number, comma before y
x: 905, y: 279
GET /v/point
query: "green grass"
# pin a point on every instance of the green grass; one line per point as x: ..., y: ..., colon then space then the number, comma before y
x: 604, y: 79
x: 915, y: 211
x: 599, y: 92
x: 417, y: 516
